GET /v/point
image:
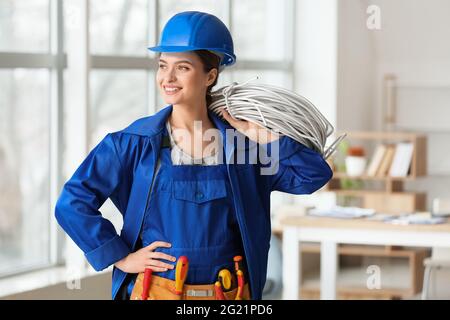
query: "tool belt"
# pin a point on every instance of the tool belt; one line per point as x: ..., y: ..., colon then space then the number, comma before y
x: 164, y: 289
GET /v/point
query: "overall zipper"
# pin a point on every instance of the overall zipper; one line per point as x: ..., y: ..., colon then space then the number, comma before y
x: 145, y: 212
x: 241, y: 224
x: 147, y: 201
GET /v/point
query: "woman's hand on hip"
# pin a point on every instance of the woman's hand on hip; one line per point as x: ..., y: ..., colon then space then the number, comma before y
x: 146, y: 257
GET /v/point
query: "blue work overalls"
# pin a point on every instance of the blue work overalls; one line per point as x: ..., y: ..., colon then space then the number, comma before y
x: 191, y: 207
x: 121, y: 168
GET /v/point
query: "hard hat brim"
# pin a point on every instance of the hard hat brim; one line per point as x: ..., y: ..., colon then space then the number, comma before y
x: 228, y: 59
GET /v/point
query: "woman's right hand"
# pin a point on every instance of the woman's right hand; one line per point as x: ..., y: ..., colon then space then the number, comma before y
x: 138, y: 261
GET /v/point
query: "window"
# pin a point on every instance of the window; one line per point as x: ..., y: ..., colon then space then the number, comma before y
x: 265, y: 33
x: 167, y: 8
x: 24, y: 137
x: 120, y: 85
x: 119, y: 27
x: 271, y: 77
x: 24, y: 25
x: 110, y: 113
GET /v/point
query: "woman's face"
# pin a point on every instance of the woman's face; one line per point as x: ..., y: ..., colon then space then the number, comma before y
x: 181, y: 78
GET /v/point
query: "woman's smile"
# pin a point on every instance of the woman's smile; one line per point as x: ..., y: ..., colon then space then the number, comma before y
x: 171, y: 90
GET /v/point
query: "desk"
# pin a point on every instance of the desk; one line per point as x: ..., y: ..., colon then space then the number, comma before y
x: 330, y: 232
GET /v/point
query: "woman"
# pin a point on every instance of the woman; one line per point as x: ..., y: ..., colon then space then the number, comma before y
x: 180, y: 194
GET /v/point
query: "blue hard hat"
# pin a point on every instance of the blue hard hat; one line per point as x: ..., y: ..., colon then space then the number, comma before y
x: 194, y: 30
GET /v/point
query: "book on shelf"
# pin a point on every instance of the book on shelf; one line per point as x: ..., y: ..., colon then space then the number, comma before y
x: 402, y: 159
x: 386, y: 162
x: 376, y: 160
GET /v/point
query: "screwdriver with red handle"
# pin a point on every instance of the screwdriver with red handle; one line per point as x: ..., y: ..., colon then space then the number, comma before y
x: 239, y: 267
x: 240, y: 291
x: 219, y: 291
x: 238, y: 263
x: 146, y: 283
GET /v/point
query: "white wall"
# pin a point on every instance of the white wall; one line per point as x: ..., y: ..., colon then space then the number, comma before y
x: 315, y: 53
x: 315, y: 64
x: 355, y: 68
x: 413, y: 44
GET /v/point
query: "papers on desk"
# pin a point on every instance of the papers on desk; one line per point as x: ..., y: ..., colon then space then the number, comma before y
x: 369, y: 214
x: 342, y: 212
x: 416, y: 218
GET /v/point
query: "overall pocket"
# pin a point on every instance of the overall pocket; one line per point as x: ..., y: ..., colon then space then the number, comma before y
x: 199, y: 191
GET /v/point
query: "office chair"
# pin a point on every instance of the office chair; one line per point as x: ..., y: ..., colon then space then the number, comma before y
x: 440, y: 257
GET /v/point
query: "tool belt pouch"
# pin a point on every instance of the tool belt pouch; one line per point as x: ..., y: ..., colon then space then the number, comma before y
x: 163, y: 289
x: 158, y: 290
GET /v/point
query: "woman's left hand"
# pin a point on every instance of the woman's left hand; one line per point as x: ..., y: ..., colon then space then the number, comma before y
x: 253, y: 131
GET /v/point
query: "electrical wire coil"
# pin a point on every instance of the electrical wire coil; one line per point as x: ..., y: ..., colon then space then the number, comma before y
x: 279, y: 110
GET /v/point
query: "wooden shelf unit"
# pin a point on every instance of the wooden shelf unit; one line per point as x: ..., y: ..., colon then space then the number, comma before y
x: 419, y: 141
x: 392, y: 198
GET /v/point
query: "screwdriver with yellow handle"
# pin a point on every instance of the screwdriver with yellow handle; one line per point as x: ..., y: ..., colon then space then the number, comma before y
x: 225, y: 279
x: 223, y: 282
x: 180, y: 274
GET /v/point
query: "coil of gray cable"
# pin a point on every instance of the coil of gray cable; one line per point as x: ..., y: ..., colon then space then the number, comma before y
x: 279, y: 110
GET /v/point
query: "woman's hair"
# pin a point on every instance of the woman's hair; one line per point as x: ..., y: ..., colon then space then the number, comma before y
x: 210, y: 61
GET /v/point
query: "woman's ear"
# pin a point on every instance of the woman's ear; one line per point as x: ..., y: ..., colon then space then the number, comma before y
x: 212, y: 75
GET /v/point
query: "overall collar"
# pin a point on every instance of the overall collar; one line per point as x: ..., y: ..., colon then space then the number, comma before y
x: 154, y: 125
